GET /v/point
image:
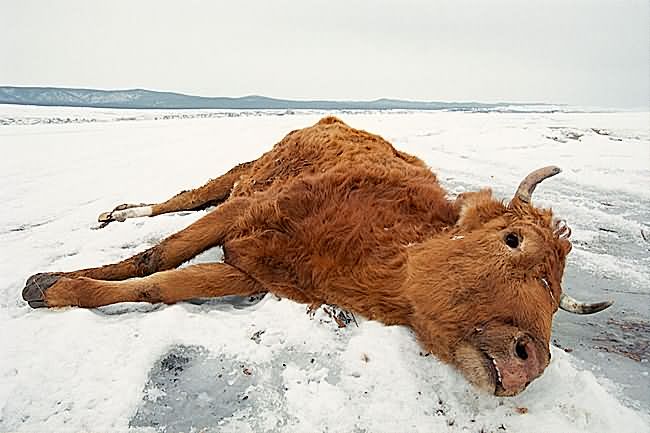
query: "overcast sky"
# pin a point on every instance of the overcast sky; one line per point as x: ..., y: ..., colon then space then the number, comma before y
x: 584, y: 52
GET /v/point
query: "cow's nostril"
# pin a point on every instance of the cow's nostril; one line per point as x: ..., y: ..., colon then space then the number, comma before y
x: 520, y: 350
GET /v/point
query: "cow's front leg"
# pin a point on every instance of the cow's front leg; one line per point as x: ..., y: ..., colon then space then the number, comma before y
x: 198, y: 281
x: 213, y: 193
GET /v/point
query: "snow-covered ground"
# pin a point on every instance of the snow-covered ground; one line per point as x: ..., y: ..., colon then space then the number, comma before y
x: 247, y: 365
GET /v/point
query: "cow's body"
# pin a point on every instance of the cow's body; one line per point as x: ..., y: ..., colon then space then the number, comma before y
x: 332, y: 219
x: 339, y: 216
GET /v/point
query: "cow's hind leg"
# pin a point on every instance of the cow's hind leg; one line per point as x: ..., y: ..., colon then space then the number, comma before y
x: 197, y: 281
x: 209, y: 231
x: 212, y: 193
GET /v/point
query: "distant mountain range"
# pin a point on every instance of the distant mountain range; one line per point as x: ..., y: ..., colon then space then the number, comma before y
x: 148, y: 99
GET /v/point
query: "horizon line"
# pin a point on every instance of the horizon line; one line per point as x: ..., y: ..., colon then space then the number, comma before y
x: 290, y: 99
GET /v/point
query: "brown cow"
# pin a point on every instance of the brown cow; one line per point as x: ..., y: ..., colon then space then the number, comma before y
x: 337, y: 215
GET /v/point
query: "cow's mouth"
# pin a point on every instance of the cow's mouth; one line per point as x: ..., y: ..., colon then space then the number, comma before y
x: 490, y: 365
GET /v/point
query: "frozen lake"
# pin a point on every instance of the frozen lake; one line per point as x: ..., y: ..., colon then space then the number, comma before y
x: 264, y: 365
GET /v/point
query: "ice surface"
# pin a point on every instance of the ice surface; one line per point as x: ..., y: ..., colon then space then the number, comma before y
x: 142, y: 367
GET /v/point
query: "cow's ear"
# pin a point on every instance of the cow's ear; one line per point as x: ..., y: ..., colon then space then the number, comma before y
x: 476, y: 208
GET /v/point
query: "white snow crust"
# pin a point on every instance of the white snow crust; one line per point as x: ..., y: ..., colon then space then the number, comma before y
x: 109, y: 369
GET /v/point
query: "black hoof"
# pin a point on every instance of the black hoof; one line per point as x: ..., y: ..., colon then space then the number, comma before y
x: 36, y: 286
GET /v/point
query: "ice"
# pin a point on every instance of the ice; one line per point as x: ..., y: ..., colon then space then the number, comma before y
x: 155, y: 368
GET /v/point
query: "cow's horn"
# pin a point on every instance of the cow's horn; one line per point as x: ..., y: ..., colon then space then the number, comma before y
x: 527, y: 186
x: 567, y: 303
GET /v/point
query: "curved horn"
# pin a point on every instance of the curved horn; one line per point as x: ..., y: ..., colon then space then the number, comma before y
x: 527, y: 186
x: 567, y: 303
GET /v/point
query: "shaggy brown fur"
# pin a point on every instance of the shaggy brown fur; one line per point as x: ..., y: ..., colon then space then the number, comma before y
x: 337, y: 215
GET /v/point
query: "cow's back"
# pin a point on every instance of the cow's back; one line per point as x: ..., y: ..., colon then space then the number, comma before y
x: 327, y: 145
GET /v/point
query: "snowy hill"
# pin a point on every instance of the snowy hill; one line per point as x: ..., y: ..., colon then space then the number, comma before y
x: 250, y: 365
x: 147, y: 99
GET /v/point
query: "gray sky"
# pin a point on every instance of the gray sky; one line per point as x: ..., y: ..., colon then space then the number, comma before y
x: 585, y: 52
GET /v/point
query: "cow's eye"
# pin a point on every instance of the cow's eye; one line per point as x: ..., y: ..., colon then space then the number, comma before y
x: 512, y: 240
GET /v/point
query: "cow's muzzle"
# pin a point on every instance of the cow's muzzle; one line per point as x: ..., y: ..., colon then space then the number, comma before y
x: 515, y: 371
x: 502, y: 360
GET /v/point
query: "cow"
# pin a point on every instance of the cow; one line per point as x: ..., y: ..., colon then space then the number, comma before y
x: 336, y: 215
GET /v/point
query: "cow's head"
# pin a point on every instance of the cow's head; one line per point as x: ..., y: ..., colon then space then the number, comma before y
x: 484, y: 293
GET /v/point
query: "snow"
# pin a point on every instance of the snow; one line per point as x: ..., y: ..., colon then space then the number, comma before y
x: 245, y: 365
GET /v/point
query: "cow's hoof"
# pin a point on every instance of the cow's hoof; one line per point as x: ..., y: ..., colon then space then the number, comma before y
x: 105, y: 217
x: 36, y: 286
x: 108, y: 217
